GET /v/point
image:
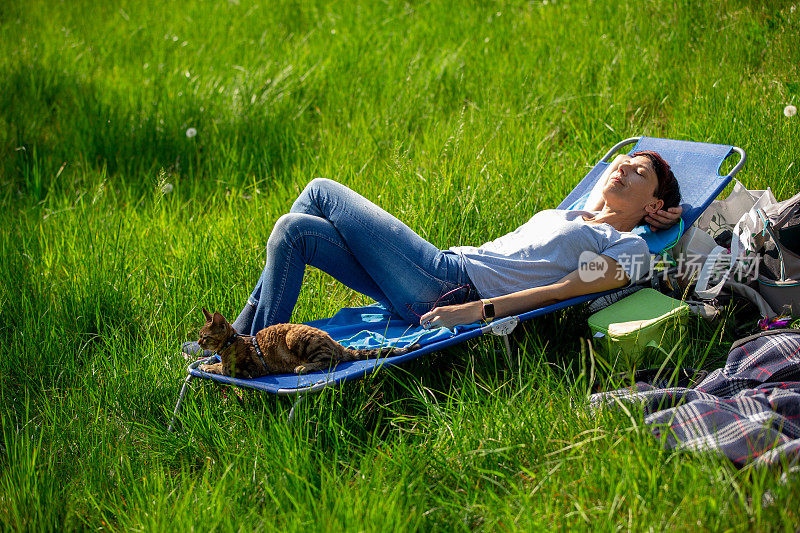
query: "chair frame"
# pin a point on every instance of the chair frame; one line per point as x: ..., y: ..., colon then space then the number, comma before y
x: 500, y: 328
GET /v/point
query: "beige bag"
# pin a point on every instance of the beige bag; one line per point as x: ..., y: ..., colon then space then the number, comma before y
x: 735, y: 218
x: 723, y: 215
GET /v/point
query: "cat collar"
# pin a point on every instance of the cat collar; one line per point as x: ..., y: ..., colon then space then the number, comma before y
x: 230, y: 340
x: 259, y: 354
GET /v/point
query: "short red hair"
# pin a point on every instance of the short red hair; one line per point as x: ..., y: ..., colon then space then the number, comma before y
x: 667, y: 189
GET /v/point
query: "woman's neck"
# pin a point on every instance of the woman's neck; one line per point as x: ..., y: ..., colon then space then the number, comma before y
x: 618, y: 220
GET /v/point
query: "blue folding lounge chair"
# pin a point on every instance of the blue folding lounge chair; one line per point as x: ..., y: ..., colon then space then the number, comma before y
x: 696, y: 166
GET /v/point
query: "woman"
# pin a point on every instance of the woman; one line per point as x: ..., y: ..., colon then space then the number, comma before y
x: 342, y: 233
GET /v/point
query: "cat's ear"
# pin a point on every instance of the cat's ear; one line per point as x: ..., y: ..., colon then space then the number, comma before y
x: 207, y: 314
x: 218, y: 319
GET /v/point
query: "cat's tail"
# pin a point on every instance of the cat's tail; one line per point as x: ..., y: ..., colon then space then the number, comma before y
x: 375, y: 353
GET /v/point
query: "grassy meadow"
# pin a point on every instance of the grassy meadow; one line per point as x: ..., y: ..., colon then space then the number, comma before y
x: 462, y: 119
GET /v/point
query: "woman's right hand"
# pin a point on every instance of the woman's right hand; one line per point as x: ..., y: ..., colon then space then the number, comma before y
x: 662, y: 219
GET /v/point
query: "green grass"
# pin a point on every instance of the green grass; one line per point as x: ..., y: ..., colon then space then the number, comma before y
x: 461, y: 120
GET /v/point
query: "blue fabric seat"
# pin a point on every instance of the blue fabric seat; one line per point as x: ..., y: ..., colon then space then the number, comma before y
x: 695, y: 165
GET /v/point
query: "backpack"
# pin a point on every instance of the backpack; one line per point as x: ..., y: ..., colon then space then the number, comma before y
x: 779, y: 268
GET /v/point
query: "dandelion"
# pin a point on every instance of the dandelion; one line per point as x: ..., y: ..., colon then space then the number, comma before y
x: 191, y: 132
x: 790, y: 111
x: 167, y: 188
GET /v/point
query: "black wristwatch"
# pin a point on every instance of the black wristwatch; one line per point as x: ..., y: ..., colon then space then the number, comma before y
x: 488, y: 310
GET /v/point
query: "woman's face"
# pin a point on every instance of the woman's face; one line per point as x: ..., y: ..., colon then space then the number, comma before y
x: 632, y: 186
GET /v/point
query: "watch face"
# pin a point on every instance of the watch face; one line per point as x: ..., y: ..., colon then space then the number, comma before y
x: 488, y: 310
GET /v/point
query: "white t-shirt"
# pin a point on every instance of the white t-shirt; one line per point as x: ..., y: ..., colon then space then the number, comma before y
x: 545, y: 249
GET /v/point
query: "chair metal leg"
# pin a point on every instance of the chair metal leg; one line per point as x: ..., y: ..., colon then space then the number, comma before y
x: 502, y: 328
x: 513, y: 363
x: 294, y: 407
x: 180, y: 401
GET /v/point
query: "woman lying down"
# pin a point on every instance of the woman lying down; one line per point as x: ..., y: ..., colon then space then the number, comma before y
x: 340, y: 232
x: 538, y: 263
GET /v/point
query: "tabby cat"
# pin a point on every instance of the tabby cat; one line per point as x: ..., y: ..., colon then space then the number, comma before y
x: 277, y: 349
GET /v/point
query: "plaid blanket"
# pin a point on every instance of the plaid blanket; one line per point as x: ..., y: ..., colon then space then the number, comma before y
x: 748, y: 411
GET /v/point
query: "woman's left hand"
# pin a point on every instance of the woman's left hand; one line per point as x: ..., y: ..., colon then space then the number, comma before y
x: 450, y: 316
x: 662, y: 219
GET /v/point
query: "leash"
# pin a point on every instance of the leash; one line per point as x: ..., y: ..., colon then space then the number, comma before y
x: 259, y: 354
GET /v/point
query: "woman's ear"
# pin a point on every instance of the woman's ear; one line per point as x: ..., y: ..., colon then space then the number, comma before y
x: 654, y: 205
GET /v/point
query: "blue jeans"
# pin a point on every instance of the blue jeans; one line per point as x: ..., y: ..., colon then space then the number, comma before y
x: 342, y: 233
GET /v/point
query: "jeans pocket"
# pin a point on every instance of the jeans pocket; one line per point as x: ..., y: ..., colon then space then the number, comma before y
x: 417, y: 309
x: 449, y: 294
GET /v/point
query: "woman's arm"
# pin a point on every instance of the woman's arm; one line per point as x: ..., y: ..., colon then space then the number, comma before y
x: 605, y: 274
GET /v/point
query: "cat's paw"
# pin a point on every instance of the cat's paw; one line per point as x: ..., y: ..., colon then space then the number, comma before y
x: 211, y: 369
x: 300, y: 369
